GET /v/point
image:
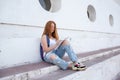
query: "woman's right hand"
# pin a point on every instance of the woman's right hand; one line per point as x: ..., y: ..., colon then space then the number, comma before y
x: 58, y: 42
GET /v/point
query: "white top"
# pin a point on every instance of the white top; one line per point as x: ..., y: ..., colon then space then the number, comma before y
x: 52, y: 42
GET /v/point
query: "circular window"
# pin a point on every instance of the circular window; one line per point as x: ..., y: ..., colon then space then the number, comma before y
x: 111, y: 21
x: 46, y: 4
x: 50, y: 5
x: 91, y: 13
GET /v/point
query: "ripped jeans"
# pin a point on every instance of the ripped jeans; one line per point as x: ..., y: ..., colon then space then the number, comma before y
x: 59, y: 53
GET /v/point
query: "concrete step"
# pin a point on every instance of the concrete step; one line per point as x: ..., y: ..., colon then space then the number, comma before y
x: 99, y: 68
x: 30, y: 71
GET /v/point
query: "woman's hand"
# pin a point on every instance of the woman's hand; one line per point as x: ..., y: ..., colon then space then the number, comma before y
x: 58, y: 42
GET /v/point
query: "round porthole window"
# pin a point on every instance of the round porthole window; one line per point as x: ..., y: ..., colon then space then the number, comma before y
x: 111, y: 21
x: 50, y: 5
x: 91, y: 13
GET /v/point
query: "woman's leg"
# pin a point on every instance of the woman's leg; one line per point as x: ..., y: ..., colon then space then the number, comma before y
x: 73, y: 57
x: 53, y: 58
x: 65, y: 47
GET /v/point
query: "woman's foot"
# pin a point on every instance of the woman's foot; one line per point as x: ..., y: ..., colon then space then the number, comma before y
x: 78, y: 67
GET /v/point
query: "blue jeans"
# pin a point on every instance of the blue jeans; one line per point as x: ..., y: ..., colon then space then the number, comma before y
x: 59, y: 53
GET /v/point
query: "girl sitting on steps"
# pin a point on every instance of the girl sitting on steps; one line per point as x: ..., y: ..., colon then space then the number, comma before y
x: 53, y: 55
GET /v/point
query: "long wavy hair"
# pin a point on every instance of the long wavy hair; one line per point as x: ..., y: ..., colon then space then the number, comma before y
x: 47, y: 30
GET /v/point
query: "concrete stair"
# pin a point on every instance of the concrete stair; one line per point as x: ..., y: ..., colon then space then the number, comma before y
x: 100, y: 63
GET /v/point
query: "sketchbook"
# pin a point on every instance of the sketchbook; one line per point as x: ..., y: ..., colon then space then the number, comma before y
x: 60, y: 43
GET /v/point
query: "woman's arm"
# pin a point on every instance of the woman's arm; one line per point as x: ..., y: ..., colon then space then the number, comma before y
x: 45, y: 45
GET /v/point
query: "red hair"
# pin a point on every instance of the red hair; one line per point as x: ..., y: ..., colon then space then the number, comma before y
x: 47, y: 30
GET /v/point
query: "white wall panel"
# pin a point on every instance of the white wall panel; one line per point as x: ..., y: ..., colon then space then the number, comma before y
x: 22, y: 22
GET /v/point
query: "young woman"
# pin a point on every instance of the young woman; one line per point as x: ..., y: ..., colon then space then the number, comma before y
x: 55, y: 56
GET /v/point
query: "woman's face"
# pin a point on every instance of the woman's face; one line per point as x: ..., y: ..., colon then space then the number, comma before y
x: 52, y: 28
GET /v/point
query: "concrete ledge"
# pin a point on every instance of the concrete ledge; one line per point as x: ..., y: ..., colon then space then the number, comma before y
x: 100, y: 68
x: 51, y: 68
x: 105, y: 70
